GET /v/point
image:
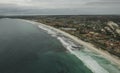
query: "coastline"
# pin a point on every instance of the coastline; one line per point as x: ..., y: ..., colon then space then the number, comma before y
x: 105, y: 54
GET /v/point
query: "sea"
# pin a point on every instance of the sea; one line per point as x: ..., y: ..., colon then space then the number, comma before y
x: 27, y: 47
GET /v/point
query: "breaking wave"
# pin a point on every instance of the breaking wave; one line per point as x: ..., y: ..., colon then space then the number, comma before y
x: 81, y: 52
x: 75, y: 50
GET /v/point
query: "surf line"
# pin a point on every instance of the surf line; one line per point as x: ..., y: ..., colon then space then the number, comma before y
x: 60, y: 35
x: 87, y: 60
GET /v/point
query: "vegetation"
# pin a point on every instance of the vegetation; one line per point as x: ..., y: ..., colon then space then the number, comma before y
x: 102, y: 31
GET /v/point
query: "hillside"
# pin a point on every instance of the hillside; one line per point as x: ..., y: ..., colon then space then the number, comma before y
x: 102, y: 31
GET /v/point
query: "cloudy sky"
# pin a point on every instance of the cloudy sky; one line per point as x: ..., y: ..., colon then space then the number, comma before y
x: 61, y: 7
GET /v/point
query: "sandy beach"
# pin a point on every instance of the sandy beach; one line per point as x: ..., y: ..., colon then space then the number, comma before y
x: 111, y: 58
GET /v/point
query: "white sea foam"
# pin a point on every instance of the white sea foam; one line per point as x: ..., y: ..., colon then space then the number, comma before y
x: 86, y: 59
x: 48, y: 30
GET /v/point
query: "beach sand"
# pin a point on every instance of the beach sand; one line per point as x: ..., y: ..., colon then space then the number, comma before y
x: 105, y: 54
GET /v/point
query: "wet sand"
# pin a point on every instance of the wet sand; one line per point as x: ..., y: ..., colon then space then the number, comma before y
x: 105, y: 54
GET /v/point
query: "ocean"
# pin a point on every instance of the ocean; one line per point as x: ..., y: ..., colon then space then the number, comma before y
x: 27, y: 48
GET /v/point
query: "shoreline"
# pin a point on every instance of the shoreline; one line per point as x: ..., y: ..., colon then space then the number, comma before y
x: 113, y: 59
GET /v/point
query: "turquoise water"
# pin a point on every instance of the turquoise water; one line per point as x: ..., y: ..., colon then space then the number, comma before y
x: 95, y: 62
x: 25, y: 48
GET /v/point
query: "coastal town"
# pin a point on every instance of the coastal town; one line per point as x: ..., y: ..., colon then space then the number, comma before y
x: 101, y: 31
x: 94, y: 40
x: 59, y: 36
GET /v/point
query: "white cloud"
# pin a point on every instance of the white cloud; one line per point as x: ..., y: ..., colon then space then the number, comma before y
x: 104, y: 6
x: 47, y: 3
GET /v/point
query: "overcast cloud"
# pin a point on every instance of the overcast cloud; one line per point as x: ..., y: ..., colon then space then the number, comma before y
x: 59, y: 7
